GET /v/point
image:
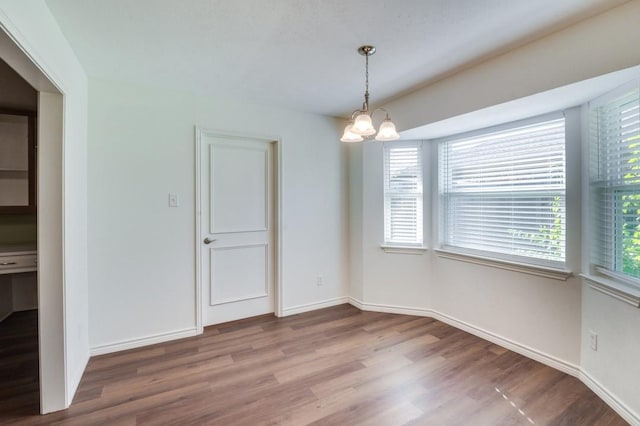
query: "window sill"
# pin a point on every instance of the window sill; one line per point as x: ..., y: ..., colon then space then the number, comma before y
x: 541, y: 271
x: 613, y: 288
x: 397, y: 249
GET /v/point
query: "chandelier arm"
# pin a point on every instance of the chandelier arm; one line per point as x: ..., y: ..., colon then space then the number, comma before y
x: 354, y: 113
x: 370, y: 113
x: 380, y: 109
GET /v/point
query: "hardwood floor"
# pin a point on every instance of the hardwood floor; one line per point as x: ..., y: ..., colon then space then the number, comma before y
x: 336, y: 366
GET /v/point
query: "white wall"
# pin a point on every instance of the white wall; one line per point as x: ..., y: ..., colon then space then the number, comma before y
x: 356, y: 236
x: 539, y: 315
x: 62, y: 206
x: 614, y: 366
x: 142, y: 253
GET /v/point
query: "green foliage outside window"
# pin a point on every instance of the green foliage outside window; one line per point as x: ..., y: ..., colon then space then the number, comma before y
x: 631, y: 214
x: 550, y: 236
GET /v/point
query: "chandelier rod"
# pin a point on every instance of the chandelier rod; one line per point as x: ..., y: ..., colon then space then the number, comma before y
x: 365, y: 106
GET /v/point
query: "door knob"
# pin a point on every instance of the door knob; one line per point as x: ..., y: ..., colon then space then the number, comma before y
x: 208, y: 241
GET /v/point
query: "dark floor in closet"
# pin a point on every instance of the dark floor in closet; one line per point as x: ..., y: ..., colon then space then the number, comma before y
x: 19, y: 384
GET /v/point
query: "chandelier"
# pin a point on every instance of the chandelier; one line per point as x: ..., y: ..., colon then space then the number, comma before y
x: 360, y: 126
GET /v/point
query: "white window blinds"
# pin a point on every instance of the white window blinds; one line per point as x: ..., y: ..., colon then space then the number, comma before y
x: 614, y: 128
x: 502, y: 194
x: 403, y: 193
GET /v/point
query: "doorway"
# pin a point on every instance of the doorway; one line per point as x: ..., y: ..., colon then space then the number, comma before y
x: 237, y: 227
x: 55, y: 391
x: 19, y: 366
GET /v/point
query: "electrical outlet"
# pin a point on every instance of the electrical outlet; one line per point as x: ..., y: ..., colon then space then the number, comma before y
x: 319, y: 281
x: 594, y: 340
x: 174, y: 200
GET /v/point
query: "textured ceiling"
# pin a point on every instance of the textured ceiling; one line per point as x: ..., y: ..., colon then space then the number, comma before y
x: 301, y: 54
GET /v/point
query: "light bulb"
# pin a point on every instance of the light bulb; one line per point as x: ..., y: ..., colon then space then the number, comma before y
x: 349, y: 136
x: 387, y: 131
x: 363, y: 126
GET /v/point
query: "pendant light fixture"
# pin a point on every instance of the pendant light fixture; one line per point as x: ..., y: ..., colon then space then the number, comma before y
x: 360, y: 127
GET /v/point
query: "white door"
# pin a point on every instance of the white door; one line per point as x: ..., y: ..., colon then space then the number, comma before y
x: 236, y: 231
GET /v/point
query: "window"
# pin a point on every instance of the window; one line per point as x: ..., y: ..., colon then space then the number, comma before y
x: 502, y: 194
x: 403, y: 193
x: 614, y: 183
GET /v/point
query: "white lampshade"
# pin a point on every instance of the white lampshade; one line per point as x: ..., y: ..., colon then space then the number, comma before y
x: 387, y: 131
x: 363, y: 126
x: 349, y: 136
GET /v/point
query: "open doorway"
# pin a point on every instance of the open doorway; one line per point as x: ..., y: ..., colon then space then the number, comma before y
x: 55, y: 387
x: 19, y: 359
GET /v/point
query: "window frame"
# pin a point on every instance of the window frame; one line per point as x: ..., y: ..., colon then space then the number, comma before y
x: 403, y: 247
x: 525, y: 264
x: 602, y: 278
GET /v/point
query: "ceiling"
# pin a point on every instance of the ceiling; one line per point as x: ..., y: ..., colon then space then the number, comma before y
x: 301, y: 54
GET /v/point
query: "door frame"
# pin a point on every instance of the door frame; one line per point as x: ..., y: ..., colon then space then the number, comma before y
x: 276, y: 142
x: 56, y: 386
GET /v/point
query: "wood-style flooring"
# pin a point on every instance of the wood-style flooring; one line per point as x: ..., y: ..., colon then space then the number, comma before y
x: 336, y: 366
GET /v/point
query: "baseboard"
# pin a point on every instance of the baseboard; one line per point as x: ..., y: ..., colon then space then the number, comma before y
x: 165, y: 337
x: 390, y: 309
x: 143, y: 341
x: 527, y: 351
x: 625, y: 412
x: 313, y: 306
